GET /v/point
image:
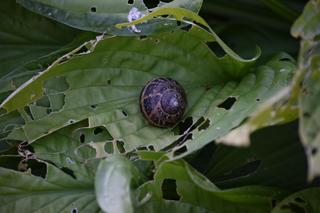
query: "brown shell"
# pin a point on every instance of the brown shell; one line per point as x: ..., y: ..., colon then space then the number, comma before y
x: 163, y: 102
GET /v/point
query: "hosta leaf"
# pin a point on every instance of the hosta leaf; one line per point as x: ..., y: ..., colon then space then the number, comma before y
x: 115, y: 180
x: 24, y: 38
x: 191, y: 187
x: 303, y: 201
x: 58, y: 192
x: 101, y: 16
x: 103, y: 86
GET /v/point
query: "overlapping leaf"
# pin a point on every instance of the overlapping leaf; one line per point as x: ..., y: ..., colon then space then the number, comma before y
x: 101, y: 16
x: 178, y: 181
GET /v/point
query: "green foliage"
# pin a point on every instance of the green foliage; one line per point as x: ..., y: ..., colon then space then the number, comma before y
x: 73, y: 139
x: 101, y: 16
x: 58, y: 192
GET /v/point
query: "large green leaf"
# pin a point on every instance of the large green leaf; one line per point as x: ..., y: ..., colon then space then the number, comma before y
x: 58, y: 192
x: 188, y: 186
x: 101, y: 16
x: 25, y: 37
x: 103, y: 86
x: 303, y: 201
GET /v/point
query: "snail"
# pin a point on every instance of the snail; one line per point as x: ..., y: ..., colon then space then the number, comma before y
x: 163, y: 102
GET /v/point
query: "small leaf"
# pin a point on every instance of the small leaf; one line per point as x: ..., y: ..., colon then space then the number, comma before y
x: 115, y: 180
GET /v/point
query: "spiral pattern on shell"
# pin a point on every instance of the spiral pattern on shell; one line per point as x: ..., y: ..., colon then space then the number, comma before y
x: 163, y: 102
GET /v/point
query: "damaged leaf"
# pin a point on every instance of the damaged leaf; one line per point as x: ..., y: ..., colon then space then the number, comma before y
x: 104, y: 87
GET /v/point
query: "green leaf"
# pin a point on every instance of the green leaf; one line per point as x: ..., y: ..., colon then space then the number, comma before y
x: 189, y: 17
x: 24, y: 38
x: 303, y: 201
x: 308, y: 78
x: 115, y: 180
x: 275, y: 157
x: 101, y: 16
x: 310, y: 115
x: 307, y: 25
x: 58, y: 192
x: 103, y: 86
x: 193, y: 188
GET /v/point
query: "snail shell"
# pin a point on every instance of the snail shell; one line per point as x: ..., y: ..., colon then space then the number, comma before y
x: 163, y: 102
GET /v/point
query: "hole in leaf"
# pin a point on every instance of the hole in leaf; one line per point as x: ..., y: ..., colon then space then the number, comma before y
x: 151, y: 3
x: 187, y: 28
x: 273, y: 203
x: 74, y: 210
x: 93, y: 9
x: 124, y: 113
x: 183, y: 126
x: 228, y: 103
x: 293, y: 207
x: 156, y: 41
x: 169, y: 190
x: 258, y: 99
x: 314, y: 151
x: 205, y: 125
x: 285, y: 59
x: 130, y: 1
x: 37, y: 168
x: 151, y: 148
x: 180, y: 151
x: 108, y: 147
x: 120, y: 146
x: 28, y: 111
x: 306, y: 114
x: 83, y: 49
x: 109, y: 82
x: 299, y: 200
x: 97, y: 130
x: 143, y: 37
x: 82, y: 138
x: 69, y: 172
x: 142, y: 148
x: 94, y: 106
